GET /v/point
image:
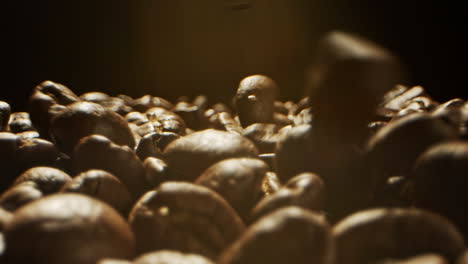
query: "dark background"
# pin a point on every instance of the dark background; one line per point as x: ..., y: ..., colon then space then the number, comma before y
x: 89, y: 45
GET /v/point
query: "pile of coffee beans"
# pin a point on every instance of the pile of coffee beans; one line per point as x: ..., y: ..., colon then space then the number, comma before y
x: 362, y: 170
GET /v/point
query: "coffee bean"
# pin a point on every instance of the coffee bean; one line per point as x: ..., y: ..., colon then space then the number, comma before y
x: 423, y: 259
x: 82, y: 119
x: 255, y: 100
x: 103, y: 186
x: 67, y: 228
x: 187, y: 157
x: 5, y: 111
x: 265, y: 136
x: 146, y: 102
x: 288, y: 235
x: 113, y: 261
x: 422, y: 129
x: 238, y: 180
x: 99, y: 152
x: 185, y: 217
x: 379, y: 234
x: 20, y: 195
x: 48, y: 180
x: 168, y: 256
x: 20, y: 122
x: 156, y: 171
x: 305, y: 190
x: 440, y: 181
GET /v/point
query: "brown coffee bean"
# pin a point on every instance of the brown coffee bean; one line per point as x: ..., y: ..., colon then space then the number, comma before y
x: 83, y: 119
x: 423, y: 259
x: 19, y: 195
x: 5, y: 111
x: 18, y: 155
x: 422, y: 129
x: 270, y: 184
x: 190, y: 113
x: 401, y: 96
x: 168, y: 121
x: 146, y: 102
x: 238, y: 180
x: 186, y: 217
x: 113, y: 261
x: 187, y: 157
x: 5, y: 218
x: 463, y: 259
x: 305, y: 190
x: 292, y: 152
x: 114, y: 104
x: 379, y: 234
x: 48, y: 180
x: 44, y: 96
x: 169, y: 257
x: 288, y: 235
x: 103, y: 186
x: 225, y: 122
x: 265, y: 136
x: 28, y: 135
x: 347, y: 66
x: 440, y: 181
x: 67, y: 228
x: 20, y: 122
x: 99, y: 152
x: 255, y: 100
x: 156, y: 171
x: 153, y: 144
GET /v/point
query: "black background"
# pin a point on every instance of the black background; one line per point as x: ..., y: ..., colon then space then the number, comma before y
x: 87, y: 45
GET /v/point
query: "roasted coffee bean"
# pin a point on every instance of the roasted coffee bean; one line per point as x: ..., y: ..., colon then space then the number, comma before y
x: 20, y: 122
x: 146, y: 102
x: 48, y: 180
x: 305, y: 190
x: 136, y: 118
x: 224, y: 121
x: 304, y: 117
x: 422, y: 129
x: 44, y: 96
x: 270, y: 184
x: 288, y: 235
x: 394, y: 193
x: 463, y: 259
x: 82, y: 119
x: 292, y: 152
x: 238, y: 180
x: 18, y: 155
x: 348, y: 66
x: 114, y: 104
x: 36, y: 152
x: 167, y: 120
x: 423, y: 259
x: 169, y: 257
x: 19, y: 195
x: 187, y: 157
x: 282, y: 120
x: 5, y: 218
x: 401, y: 96
x: 265, y: 136
x: 67, y: 228
x: 5, y: 112
x: 99, y: 152
x: 156, y: 171
x: 185, y: 217
x: 255, y: 100
x: 190, y: 113
x: 113, y: 261
x: 440, y: 181
x: 103, y: 186
x: 28, y: 135
x: 380, y: 234
x: 153, y: 144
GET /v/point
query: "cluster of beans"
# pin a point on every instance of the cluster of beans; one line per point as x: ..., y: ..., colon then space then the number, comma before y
x: 351, y: 174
